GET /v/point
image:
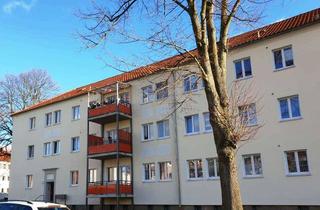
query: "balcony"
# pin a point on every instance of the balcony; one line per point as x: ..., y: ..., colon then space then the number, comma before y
x: 99, y: 147
x: 109, y: 189
x: 106, y: 113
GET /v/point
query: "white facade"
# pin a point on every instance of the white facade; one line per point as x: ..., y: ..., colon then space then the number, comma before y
x: 280, y: 166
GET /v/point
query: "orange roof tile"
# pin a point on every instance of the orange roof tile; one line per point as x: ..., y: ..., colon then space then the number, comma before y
x: 268, y: 31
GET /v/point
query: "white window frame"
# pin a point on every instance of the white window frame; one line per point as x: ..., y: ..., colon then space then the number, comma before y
x: 284, y: 66
x: 29, y: 181
x: 243, y: 69
x: 57, y: 117
x: 216, y: 168
x: 149, y: 95
x: 193, y: 125
x: 48, y: 119
x: 77, y: 138
x: 32, y: 123
x: 254, y: 174
x: 289, y: 108
x: 150, y: 131
x: 71, y: 178
x: 152, y: 179
x: 164, y: 124
x: 298, y: 173
x: 58, y: 142
x: 76, y: 112
x: 28, y: 152
x: 195, y: 170
x: 45, y: 149
x: 189, y: 78
x: 246, y: 111
x: 205, y: 121
x: 168, y: 172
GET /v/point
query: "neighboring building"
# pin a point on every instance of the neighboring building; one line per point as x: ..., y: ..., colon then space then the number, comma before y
x: 4, y: 173
x: 65, y: 151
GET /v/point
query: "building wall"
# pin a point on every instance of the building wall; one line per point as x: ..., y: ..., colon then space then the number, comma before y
x: 275, y: 136
x: 63, y: 163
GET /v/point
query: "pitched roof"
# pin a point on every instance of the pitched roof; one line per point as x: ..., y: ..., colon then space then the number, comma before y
x: 265, y: 32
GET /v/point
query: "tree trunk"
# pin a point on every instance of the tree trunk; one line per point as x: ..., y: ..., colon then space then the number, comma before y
x: 230, y: 189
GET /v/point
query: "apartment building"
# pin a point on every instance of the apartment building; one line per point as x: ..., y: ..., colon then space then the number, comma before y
x: 130, y: 140
x: 4, y: 173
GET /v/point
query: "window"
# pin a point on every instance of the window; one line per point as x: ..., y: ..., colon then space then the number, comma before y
x: 165, y: 170
x: 30, y: 151
x: 112, y: 174
x: 163, y: 129
x: 124, y: 97
x: 47, y: 149
x: 149, y: 171
x: 192, y: 124
x: 92, y: 175
x: 112, y: 136
x: 75, y: 144
x: 243, y: 68
x: 29, y: 181
x: 195, y: 169
x: 57, y: 116
x: 48, y: 119
x: 190, y: 83
x: 162, y: 90
x: 207, y: 124
x: 147, y: 131
x: 56, y: 147
x: 125, y: 174
x: 74, y: 178
x: 252, y: 165
x: 147, y: 94
x: 213, y: 167
x: 297, y: 162
x: 283, y: 57
x: 76, y: 112
x: 32, y: 123
x: 289, y: 107
x: 248, y: 115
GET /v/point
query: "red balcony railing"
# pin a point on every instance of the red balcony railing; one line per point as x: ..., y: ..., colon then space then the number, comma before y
x: 98, y: 145
x: 105, y: 188
x: 124, y: 108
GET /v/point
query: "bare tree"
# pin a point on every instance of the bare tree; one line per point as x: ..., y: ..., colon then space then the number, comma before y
x: 208, y: 29
x: 17, y: 92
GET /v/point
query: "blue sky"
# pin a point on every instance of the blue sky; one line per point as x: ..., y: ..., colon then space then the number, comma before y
x: 42, y: 34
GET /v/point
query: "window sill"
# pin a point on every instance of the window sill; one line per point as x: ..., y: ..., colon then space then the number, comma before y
x: 28, y: 188
x: 163, y: 138
x: 165, y: 180
x: 243, y: 78
x: 148, y: 140
x: 290, y: 119
x: 74, y: 185
x: 192, y: 134
x: 46, y: 156
x: 56, y: 154
x: 298, y: 174
x: 55, y: 124
x: 30, y: 158
x: 252, y: 176
x: 75, y: 120
x: 76, y: 151
x: 284, y: 68
x: 33, y: 129
x: 148, y: 181
x: 191, y: 91
x: 214, y: 178
x: 252, y: 125
x: 195, y: 179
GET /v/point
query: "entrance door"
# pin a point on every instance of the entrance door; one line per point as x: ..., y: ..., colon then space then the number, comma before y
x: 50, y: 191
